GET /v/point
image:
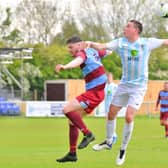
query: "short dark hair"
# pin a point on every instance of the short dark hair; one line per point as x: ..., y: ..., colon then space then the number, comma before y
x: 138, y: 25
x: 74, y: 39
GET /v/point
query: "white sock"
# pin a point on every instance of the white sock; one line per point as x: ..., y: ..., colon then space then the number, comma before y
x: 110, y: 130
x: 127, y: 132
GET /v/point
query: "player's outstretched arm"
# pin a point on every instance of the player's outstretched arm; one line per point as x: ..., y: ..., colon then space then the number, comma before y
x: 97, y: 46
x: 74, y: 63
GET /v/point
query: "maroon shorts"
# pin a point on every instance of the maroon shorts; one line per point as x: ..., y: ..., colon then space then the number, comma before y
x: 164, y: 116
x: 91, y: 99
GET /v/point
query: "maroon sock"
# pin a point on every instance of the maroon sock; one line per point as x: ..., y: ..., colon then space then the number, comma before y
x: 73, y: 137
x: 166, y: 130
x: 76, y: 119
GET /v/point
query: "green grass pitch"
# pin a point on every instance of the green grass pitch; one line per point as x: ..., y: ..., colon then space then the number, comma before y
x: 37, y: 142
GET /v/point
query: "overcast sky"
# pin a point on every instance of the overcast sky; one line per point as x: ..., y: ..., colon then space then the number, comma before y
x: 10, y: 3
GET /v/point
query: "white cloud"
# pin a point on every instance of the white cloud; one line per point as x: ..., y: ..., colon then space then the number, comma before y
x: 9, y: 3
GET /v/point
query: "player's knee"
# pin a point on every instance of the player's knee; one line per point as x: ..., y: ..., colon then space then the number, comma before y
x: 129, y: 118
x: 65, y: 110
x: 163, y: 123
x: 111, y: 116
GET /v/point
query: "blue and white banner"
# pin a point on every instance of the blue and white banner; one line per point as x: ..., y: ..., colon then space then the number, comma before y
x: 54, y: 109
x: 44, y: 108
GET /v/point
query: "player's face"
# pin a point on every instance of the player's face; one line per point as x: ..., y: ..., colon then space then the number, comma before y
x: 73, y: 48
x: 166, y: 86
x: 130, y: 30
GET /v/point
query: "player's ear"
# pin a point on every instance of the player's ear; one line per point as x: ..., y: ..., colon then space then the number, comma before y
x: 80, y: 45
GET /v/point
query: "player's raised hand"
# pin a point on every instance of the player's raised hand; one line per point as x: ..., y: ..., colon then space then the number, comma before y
x: 59, y: 67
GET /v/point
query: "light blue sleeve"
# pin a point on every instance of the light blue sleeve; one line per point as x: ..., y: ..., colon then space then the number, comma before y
x: 113, y: 45
x: 154, y: 43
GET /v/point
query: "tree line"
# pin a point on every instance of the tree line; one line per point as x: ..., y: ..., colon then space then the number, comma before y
x: 47, y: 24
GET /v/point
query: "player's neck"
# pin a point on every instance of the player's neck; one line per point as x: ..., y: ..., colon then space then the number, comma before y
x: 133, y: 39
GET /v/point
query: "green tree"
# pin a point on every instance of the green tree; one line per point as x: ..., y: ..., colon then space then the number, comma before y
x: 112, y: 64
x: 158, y: 68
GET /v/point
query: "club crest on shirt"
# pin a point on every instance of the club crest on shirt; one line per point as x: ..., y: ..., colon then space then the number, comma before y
x: 134, y: 53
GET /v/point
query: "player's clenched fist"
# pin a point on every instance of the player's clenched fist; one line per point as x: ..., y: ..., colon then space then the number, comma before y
x: 59, y: 67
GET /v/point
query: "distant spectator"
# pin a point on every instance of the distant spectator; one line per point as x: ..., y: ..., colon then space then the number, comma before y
x: 163, y: 101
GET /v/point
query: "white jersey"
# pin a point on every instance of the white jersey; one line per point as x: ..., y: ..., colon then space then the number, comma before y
x: 134, y: 58
x: 109, y: 89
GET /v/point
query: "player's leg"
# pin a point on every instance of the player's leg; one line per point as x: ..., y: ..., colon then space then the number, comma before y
x: 164, y: 122
x: 107, y: 104
x: 127, y: 132
x: 74, y: 112
x: 73, y: 137
x: 166, y: 129
x: 111, y: 122
x: 166, y: 125
x: 118, y: 101
x: 110, y: 129
x: 135, y: 100
x: 89, y: 101
x: 115, y: 137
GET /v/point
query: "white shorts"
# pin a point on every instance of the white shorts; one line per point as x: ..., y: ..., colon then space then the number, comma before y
x: 129, y: 96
